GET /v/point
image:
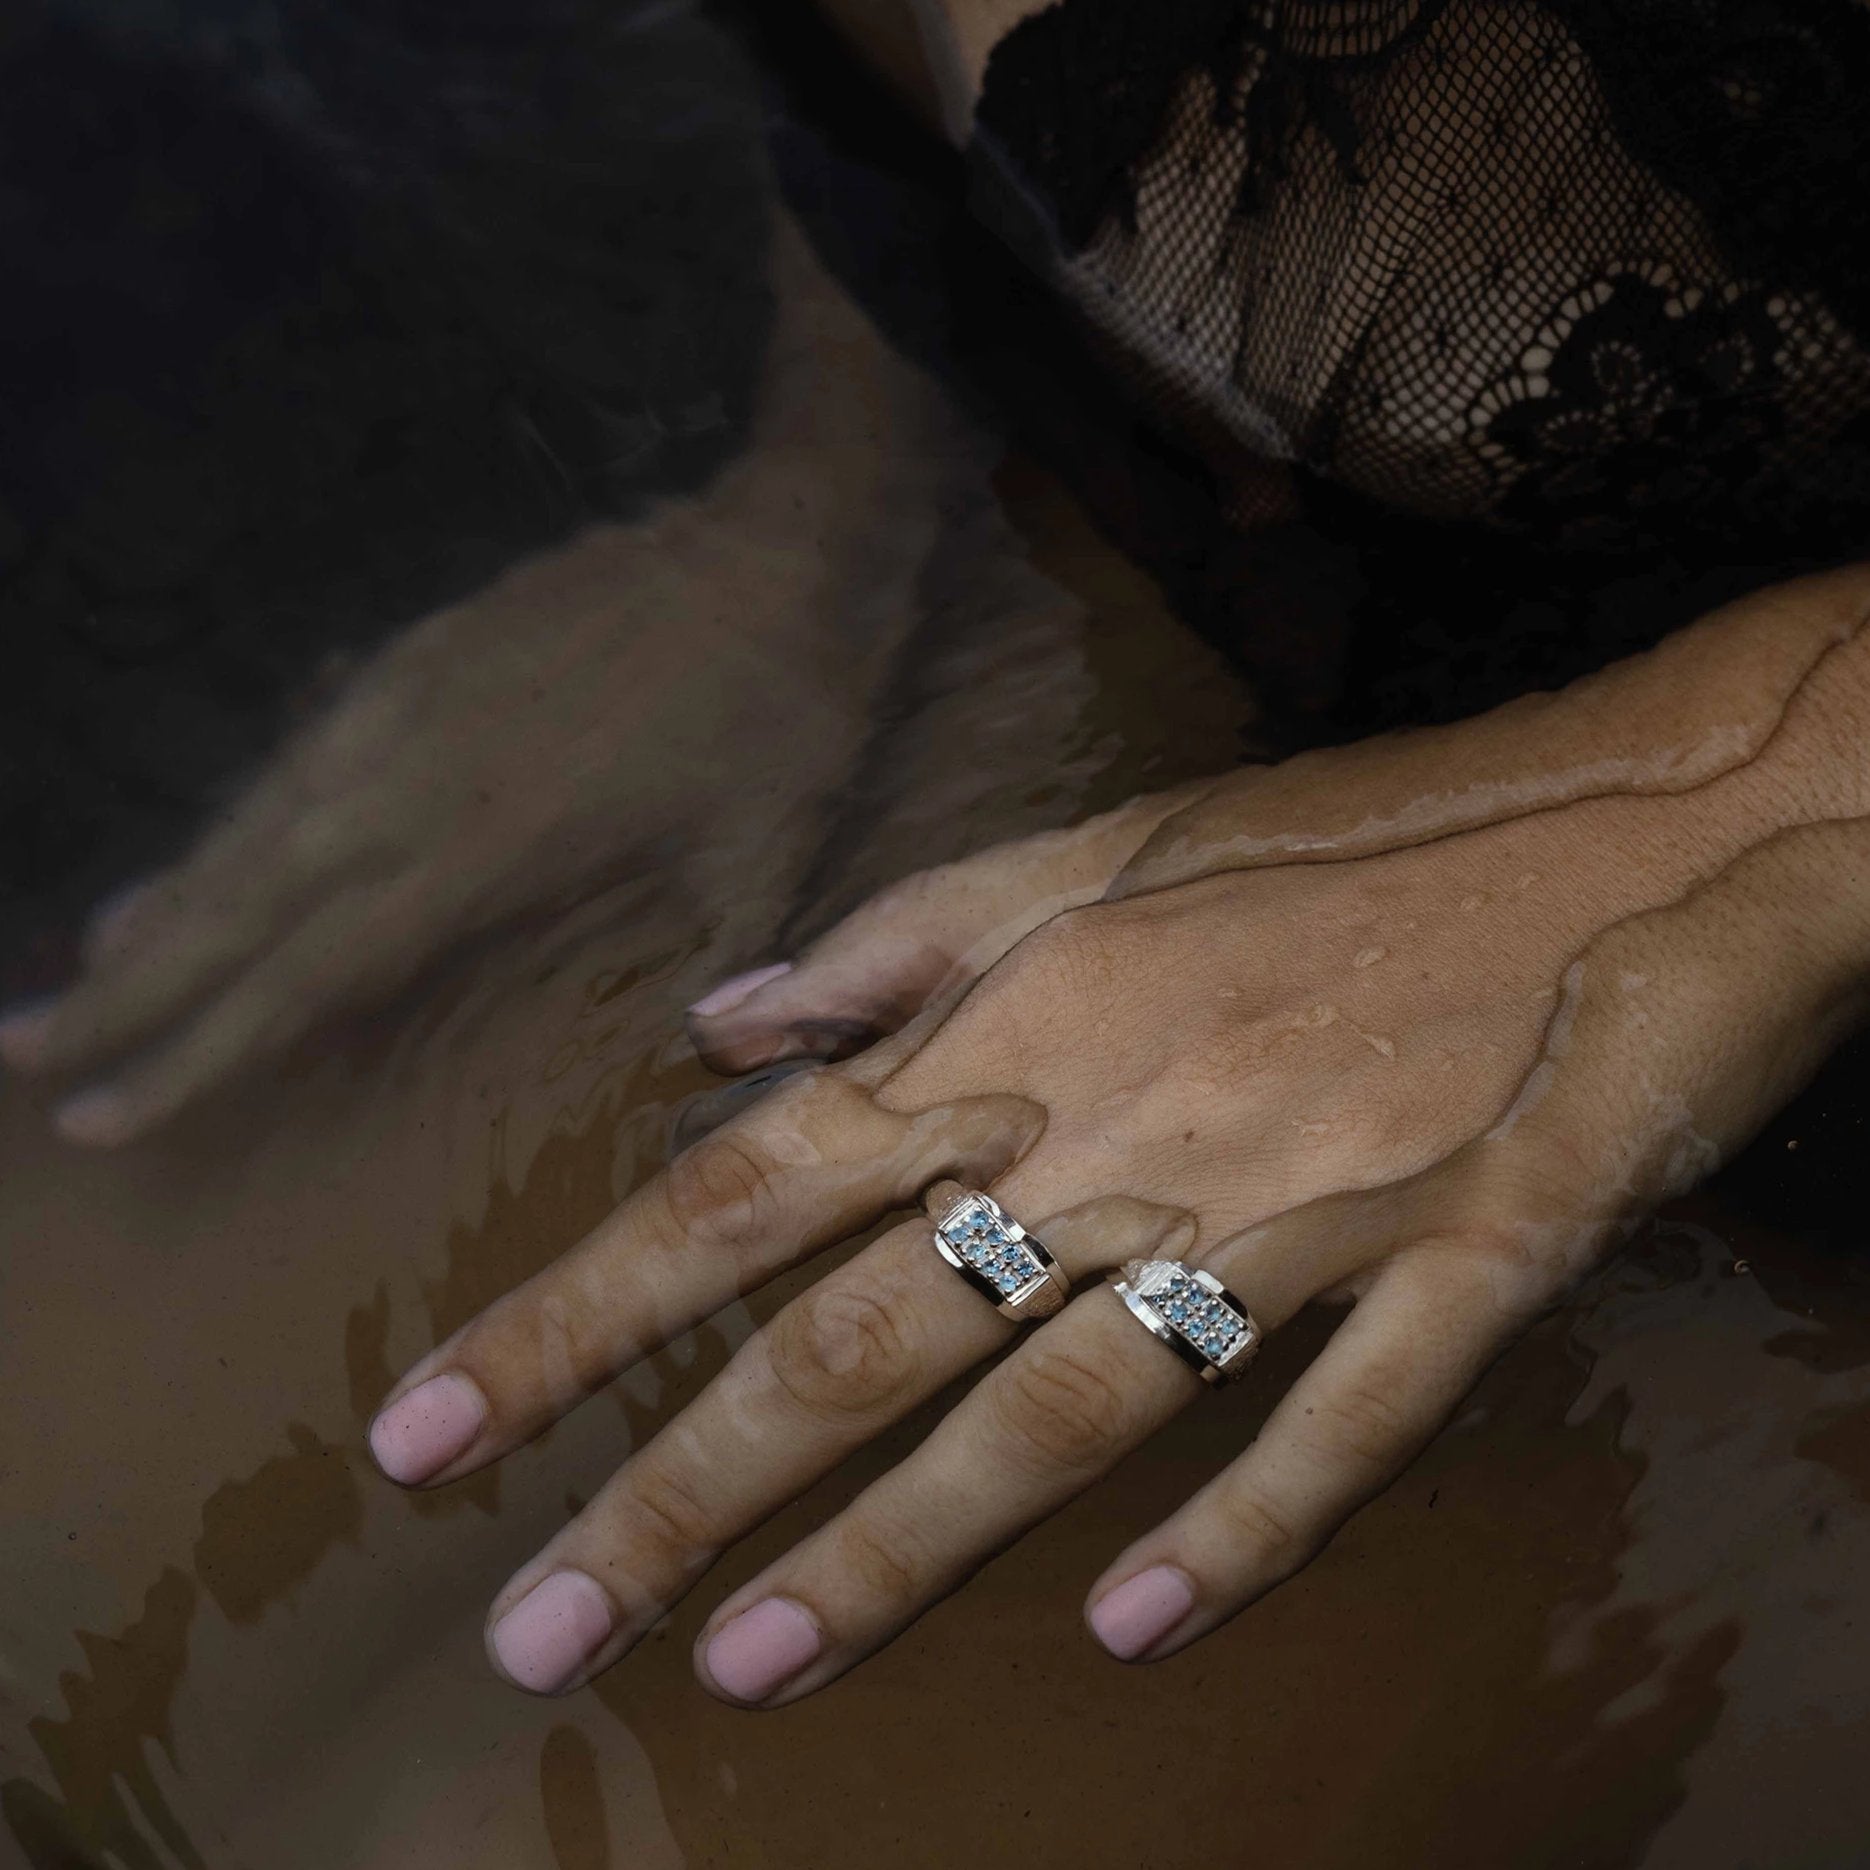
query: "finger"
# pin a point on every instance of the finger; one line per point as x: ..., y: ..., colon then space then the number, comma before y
x: 1391, y: 1375
x: 855, y: 1353
x: 1074, y: 1397
x: 696, y: 1116
x: 123, y: 998
x: 345, y: 951
x: 156, y: 950
x: 815, y: 1163
x: 1317, y: 1248
x: 883, y: 963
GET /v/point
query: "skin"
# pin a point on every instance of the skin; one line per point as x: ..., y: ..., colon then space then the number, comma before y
x: 1430, y: 1059
x: 484, y: 762
x: 1418, y: 1026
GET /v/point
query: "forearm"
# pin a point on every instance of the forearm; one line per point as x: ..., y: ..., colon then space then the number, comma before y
x: 1755, y: 718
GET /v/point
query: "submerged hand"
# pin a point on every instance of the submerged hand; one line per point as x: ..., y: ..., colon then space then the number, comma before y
x: 1419, y: 1023
x: 595, y: 713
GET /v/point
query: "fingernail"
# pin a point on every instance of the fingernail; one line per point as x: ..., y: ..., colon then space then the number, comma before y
x: 730, y: 993
x: 24, y: 1030
x: 708, y: 1110
x: 96, y: 1119
x: 544, y: 1641
x: 1142, y: 1610
x: 762, y: 1649
x: 419, y: 1434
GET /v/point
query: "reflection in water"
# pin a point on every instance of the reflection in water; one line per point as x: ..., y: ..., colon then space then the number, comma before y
x: 1772, y: 1534
x: 1624, y: 1587
x: 262, y: 1536
x: 575, y: 1822
x: 1840, y: 1440
x: 109, y: 1806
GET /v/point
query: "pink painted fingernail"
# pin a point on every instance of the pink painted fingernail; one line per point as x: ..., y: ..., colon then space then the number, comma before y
x: 730, y: 993
x: 419, y: 1434
x: 1142, y: 1610
x: 544, y: 1641
x: 762, y: 1649
x: 24, y: 1031
x: 96, y: 1119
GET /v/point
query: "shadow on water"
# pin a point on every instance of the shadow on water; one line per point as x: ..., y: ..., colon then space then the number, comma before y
x: 263, y: 1536
x: 109, y: 1806
x: 570, y: 1796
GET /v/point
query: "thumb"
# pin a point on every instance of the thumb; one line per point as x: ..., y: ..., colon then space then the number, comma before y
x: 885, y: 961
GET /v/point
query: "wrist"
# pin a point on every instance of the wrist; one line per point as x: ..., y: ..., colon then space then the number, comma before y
x: 1814, y: 766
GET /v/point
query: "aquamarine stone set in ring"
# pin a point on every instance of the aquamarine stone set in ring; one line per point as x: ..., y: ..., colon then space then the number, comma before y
x: 1185, y: 1307
x: 994, y: 1254
x: 1193, y: 1314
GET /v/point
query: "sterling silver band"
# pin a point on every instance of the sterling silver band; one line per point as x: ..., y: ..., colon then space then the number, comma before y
x: 1193, y: 1314
x: 994, y: 1254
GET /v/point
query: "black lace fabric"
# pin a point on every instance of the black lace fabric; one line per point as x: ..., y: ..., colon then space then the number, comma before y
x: 1595, y: 271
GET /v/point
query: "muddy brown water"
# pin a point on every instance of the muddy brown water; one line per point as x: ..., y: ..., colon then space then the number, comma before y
x: 1616, y: 1615
x: 1619, y: 1614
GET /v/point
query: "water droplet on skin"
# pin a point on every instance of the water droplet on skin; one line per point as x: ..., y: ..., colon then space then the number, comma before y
x: 1313, y: 1126
x: 1384, y: 1048
x: 1370, y: 957
x: 1476, y: 901
x: 1633, y: 983
x: 1529, y: 879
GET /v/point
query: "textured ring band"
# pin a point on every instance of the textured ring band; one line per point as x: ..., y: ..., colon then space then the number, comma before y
x: 994, y: 1254
x: 1193, y: 1314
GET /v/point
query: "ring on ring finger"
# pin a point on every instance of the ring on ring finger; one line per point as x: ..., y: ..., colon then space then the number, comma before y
x: 996, y: 1256
x: 1193, y: 1314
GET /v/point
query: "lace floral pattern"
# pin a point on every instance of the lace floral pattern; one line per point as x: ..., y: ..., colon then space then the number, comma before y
x: 1592, y: 273
x: 1639, y: 399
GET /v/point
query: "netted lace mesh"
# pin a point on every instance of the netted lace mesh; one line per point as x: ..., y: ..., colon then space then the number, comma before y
x: 1594, y: 273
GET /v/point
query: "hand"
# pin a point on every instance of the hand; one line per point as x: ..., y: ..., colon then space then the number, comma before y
x: 563, y: 727
x: 1419, y: 1024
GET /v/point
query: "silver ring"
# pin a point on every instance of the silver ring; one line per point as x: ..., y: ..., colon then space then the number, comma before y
x: 1193, y: 1314
x: 994, y: 1254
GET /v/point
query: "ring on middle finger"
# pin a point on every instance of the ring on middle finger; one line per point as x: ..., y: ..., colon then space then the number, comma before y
x: 994, y: 1254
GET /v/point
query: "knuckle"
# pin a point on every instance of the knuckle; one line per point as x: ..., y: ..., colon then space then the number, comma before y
x: 839, y: 1350
x: 667, y: 1513
x: 1072, y: 956
x: 1062, y: 1410
x: 1361, y: 1426
x: 1254, y: 1524
x: 886, y: 1560
x: 720, y: 1191
x: 1076, y: 944
x: 1497, y: 1268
